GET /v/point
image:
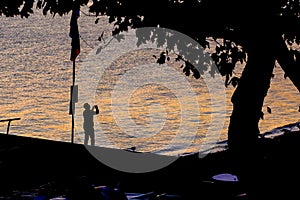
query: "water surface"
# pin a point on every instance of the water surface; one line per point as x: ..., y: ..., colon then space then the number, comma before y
x: 36, y: 75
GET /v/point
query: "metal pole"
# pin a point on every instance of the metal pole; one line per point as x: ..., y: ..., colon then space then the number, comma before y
x: 72, y: 102
x: 8, y: 125
x: 9, y: 122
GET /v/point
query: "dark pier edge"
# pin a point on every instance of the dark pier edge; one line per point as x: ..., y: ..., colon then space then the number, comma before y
x: 28, y: 162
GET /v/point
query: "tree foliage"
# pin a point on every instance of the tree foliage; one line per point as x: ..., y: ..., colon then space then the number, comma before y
x: 234, y: 21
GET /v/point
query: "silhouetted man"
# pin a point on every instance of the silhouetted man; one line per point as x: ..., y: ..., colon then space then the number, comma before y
x: 88, y: 123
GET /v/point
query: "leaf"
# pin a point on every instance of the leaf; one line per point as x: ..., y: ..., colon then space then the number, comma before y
x: 162, y: 59
x: 262, y: 115
x: 269, y: 110
x: 102, y: 34
x: 196, y: 73
x: 289, y: 42
x: 101, y: 37
x: 234, y: 81
x: 215, y: 57
x: 98, y: 50
x: 111, y: 19
x: 227, y: 82
x: 163, y: 53
x: 39, y: 4
x: 205, y: 44
x: 179, y: 57
x: 186, y: 70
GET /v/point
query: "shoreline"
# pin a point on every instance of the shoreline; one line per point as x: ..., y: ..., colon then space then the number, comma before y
x: 29, y: 162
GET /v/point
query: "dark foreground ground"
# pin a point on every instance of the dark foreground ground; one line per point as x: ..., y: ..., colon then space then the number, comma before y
x: 57, y: 168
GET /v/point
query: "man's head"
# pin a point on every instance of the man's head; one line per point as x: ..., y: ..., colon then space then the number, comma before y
x: 86, y: 106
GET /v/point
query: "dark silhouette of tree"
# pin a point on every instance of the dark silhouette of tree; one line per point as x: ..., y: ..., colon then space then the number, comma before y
x: 256, y: 32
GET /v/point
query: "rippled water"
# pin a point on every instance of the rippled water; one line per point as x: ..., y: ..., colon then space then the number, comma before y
x: 36, y: 75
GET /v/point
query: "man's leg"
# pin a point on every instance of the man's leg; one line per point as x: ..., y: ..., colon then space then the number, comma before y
x: 86, y: 138
x: 92, y: 135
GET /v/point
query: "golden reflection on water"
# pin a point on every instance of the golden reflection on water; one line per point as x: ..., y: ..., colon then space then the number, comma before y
x: 145, y: 103
x: 36, y: 75
x: 283, y: 99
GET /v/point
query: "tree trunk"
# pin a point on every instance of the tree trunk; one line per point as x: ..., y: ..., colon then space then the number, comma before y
x: 247, y: 111
x: 253, y: 86
x: 247, y: 102
x: 249, y: 95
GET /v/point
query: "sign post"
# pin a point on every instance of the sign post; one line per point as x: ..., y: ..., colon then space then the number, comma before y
x: 74, y: 34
